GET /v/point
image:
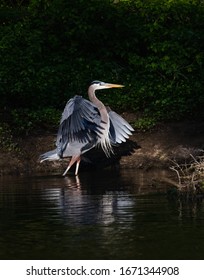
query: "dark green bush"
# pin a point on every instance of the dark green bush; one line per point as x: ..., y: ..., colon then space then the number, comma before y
x: 53, y: 49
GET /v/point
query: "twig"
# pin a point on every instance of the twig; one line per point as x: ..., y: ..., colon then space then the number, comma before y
x: 179, y: 178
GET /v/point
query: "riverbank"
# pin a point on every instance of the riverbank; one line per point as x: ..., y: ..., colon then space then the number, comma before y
x: 157, y: 148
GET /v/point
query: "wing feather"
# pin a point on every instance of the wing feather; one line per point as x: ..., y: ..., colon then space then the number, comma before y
x: 120, y: 129
x: 79, y: 122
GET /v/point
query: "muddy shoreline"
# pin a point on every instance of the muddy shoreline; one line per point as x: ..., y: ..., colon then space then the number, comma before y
x: 155, y: 149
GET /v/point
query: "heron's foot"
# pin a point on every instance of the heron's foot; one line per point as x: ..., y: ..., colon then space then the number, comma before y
x: 65, y: 172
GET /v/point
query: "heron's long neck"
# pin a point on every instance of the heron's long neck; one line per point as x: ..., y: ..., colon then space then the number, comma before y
x: 101, y: 107
x: 95, y: 100
x: 105, y: 123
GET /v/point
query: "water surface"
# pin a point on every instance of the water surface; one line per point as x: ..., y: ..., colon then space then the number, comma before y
x: 108, y: 214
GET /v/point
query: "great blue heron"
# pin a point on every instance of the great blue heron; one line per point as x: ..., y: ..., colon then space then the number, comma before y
x: 85, y: 124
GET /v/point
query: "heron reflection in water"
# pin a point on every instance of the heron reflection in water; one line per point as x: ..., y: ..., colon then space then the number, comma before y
x: 86, y: 124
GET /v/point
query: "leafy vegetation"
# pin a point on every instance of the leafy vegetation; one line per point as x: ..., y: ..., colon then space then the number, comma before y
x: 7, y: 141
x: 51, y: 50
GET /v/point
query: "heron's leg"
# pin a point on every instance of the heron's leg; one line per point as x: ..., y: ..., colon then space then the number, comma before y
x: 65, y: 172
x: 77, y: 165
x: 72, y: 161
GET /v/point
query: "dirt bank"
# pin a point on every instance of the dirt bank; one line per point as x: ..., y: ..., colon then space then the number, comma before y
x: 151, y: 149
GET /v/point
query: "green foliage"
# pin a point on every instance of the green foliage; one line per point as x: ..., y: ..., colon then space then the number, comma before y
x: 145, y: 123
x: 51, y: 50
x: 24, y: 121
x: 6, y: 138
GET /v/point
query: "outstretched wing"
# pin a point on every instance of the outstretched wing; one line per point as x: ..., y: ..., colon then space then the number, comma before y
x: 80, y: 122
x: 120, y: 129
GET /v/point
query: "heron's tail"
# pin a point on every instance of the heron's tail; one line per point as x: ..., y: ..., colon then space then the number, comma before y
x: 51, y: 155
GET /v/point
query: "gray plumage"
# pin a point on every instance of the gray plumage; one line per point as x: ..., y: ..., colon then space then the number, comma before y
x: 85, y: 124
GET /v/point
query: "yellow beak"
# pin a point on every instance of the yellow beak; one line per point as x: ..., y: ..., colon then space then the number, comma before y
x: 114, y: 86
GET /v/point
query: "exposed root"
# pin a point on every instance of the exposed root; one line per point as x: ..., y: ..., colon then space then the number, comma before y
x: 190, y: 176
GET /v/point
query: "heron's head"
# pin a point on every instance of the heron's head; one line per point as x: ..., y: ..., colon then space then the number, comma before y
x: 96, y: 85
